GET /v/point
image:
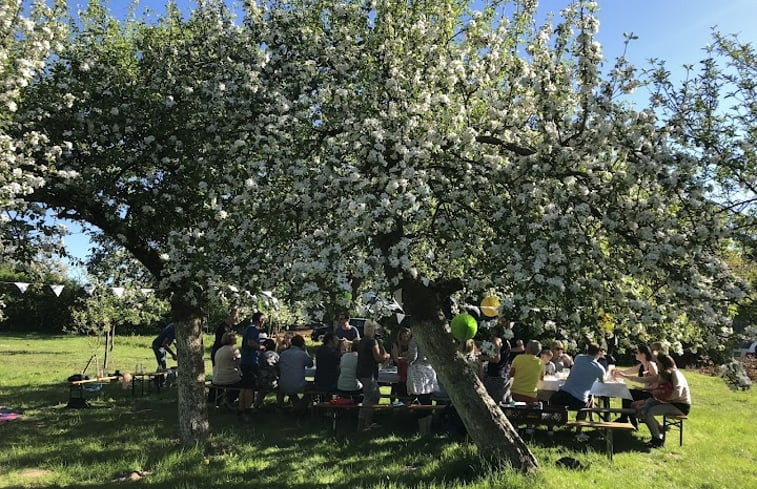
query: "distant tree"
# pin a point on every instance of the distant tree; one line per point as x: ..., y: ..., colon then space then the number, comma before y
x: 144, y: 107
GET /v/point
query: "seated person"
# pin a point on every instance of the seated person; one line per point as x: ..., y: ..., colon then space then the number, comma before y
x: 468, y: 349
x: 516, y: 350
x: 227, y: 371
x: 546, y: 358
x: 646, y: 371
x: 292, y: 363
x: 268, y: 371
x: 284, y: 343
x: 559, y: 357
x: 526, y: 371
x: 348, y: 385
x: 672, y: 397
x: 575, y: 392
x: 327, y: 363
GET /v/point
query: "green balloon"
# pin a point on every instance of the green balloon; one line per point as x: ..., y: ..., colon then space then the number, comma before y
x: 464, y: 326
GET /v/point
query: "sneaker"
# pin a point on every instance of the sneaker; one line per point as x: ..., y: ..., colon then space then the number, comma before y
x: 582, y: 437
x: 655, y: 443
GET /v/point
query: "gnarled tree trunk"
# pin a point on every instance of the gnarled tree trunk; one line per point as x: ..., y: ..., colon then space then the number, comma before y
x: 193, y: 412
x: 487, y: 426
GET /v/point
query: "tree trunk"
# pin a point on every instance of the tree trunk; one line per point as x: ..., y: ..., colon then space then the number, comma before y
x: 193, y: 411
x: 487, y: 426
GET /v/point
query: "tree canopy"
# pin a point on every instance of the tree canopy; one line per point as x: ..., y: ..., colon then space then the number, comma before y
x: 430, y: 147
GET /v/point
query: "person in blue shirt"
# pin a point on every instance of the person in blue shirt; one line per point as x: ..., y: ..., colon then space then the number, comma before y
x: 575, y: 392
x: 162, y: 345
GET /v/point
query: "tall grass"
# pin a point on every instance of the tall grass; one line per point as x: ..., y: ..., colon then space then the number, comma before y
x: 53, y: 446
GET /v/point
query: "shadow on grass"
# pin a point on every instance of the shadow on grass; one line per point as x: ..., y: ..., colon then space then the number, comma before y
x: 120, y: 433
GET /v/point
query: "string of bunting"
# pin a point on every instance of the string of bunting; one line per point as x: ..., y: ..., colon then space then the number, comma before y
x: 88, y: 288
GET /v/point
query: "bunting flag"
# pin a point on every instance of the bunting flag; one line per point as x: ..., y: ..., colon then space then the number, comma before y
x: 400, y: 317
x: 398, y: 297
x: 22, y: 286
x: 57, y: 289
x: 89, y: 289
x: 147, y: 292
x: 118, y: 291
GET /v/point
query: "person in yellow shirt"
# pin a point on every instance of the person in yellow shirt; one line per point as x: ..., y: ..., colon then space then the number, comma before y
x: 526, y: 371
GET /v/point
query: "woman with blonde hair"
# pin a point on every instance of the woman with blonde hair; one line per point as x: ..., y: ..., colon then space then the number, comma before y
x: 370, y: 355
x: 227, y: 371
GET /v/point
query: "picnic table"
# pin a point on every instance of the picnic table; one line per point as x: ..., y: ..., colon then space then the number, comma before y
x: 386, y: 376
x: 76, y: 389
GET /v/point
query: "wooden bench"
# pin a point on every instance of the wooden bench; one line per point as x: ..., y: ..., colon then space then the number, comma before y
x: 670, y: 421
x: 221, y: 390
x: 604, y: 412
x: 607, y: 426
x: 543, y: 415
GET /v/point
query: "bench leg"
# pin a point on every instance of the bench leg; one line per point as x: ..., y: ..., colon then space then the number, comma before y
x: 608, y: 438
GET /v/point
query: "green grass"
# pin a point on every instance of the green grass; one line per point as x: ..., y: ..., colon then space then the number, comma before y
x: 53, y: 446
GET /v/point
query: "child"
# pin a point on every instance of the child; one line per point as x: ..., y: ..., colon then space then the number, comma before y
x: 546, y: 358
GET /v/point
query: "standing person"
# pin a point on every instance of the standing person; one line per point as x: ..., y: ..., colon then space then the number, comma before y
x: 327, y: 363
x: 646, y: 369
x: 162, y: 345
x: 559, y: 357
x: 370, y: 356
x: 421, y: 383
x: 575, y: 392
x: 526, y: 371
x: 251, y: 347
x: 345, y: 332
x: 675, y: 402
x: 517, y: 349
x: 495, y: 375
x: 399, y: 356
x: 227, y: 326
x: 292, y: 364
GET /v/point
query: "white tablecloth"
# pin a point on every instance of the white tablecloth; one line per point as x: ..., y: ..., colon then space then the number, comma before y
x: 386, y: 375
x: 550, y: 384
x: 610, y: 389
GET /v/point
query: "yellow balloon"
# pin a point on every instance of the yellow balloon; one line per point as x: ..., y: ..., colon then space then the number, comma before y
x: 490, y: 306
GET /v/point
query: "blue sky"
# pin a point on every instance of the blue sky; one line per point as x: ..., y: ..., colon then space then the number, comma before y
x: 672, y: 30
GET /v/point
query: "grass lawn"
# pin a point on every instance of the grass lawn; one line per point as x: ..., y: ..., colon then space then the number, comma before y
x: 51, y: 446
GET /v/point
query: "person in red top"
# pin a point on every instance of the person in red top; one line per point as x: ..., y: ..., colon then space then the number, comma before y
x: 399, y: 356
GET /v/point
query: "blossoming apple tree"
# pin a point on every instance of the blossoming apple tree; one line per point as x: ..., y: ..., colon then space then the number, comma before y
x: 138, y: 113
x: 434, y: 149
x: 26, y: 40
